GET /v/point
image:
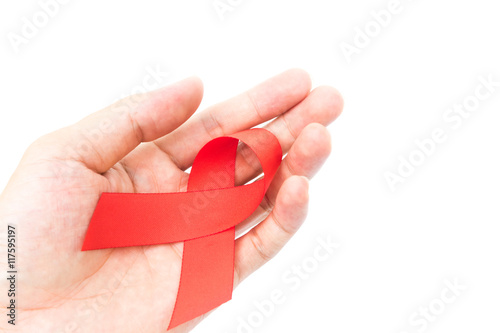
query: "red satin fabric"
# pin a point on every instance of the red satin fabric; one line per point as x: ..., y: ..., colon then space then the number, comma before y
x: 204, y: 218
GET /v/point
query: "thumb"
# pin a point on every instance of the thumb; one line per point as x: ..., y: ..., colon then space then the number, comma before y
x: 102, y: 139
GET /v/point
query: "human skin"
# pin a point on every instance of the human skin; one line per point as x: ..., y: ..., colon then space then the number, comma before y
x: 145, y: 144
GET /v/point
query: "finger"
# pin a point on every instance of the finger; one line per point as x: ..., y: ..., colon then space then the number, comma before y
x: 105, y: 137
x: 323, y: 105
x: 264, y: 241
x: 307, y: 155
x: 260, y: 104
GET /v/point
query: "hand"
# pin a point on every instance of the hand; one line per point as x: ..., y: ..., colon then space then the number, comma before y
x: 54, y: 191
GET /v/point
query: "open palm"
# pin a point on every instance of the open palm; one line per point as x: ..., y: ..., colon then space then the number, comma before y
x: 54, y: 191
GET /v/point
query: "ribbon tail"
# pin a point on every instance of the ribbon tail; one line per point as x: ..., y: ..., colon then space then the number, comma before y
x: 207, y: 276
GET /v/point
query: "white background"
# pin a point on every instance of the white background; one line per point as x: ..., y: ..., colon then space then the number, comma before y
x: 397, y: 247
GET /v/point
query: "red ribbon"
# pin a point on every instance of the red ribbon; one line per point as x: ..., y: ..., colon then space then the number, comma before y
x: 204, y: 218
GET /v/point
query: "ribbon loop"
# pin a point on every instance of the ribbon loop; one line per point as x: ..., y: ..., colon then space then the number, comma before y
x: 204, y: 218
